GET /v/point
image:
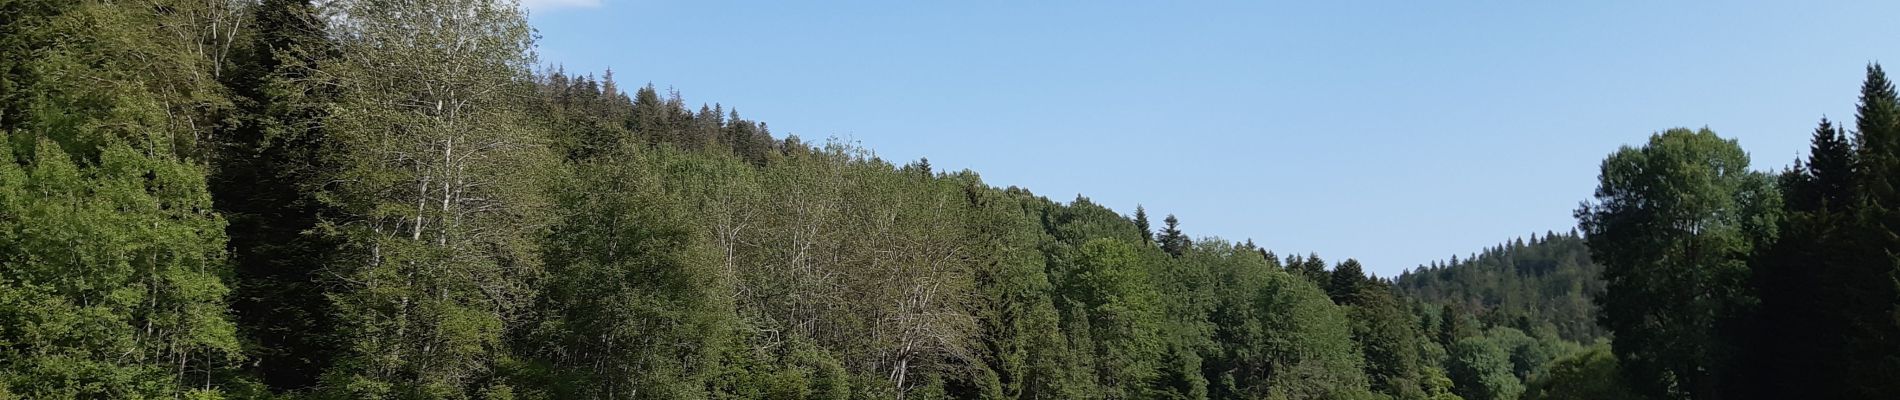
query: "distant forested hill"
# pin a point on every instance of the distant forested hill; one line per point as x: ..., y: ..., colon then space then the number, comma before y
x: 1543, y: 284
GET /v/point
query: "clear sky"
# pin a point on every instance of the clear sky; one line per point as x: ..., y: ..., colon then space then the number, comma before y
x: 1395, y: 132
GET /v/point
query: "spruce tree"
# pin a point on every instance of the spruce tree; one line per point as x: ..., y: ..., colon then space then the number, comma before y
x: 1172, y: 240
x: 1877, y: 115
x: 1452, y: 326
x: 1344, y: 283
x: 265, y: 174
x: 1867, y: 288
x: 1313, y: 269
x: 1385, y: 333
x: 1141, y: 222
x: 1800, y: 277
x: 1832, y: 162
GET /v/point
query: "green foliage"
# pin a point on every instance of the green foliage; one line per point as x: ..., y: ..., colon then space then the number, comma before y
x: 1109, y: 287
x: 435, y: 172
x: 265, y: 170
x: 1141, y: 223
x: 1674, y: 223
x: 1549, y: 281
x: 1022, y: 345
x: 1529, y: 355
x: 1307, y: 342
x: 1387, y: 334
x: 1480, y: 369
x: 1345, y: 282
x: 1171, y: 239
x: 1438, y: 386
x: 1590, y: 374
x: 414, y: 213
x: 111, y: 259
x: 114, y: 285
x: 634, y: 306
x: 1864, y: 288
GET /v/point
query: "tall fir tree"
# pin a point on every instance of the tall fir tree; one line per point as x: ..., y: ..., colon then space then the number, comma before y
x: 1345, y: 281
x: 1141, y: 222
x: 1833, y: 164
x: 1172, y: 240
x: 1870, y: 287
x: 1796, y: 277
x: 266, y: 171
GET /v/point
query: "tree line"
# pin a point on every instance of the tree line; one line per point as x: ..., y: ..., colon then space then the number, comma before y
x: 1727, y: 282
x: 390, y: 199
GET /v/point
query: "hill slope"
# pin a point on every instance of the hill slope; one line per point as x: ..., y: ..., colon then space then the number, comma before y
x: 1545, y: 283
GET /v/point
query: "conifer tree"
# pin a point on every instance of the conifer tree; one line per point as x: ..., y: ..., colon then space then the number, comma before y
x: 1344, y: 283
x: 1877, y: 115
x: 1384, y: 331
x: 1832, y: 162
x: 1141, y: 222
x: 1313, y: 269
x: 1172, y: 240
x: 1452, y: 326
x: 265, y: 174
x: 1870, y: 283
x: 1800, y: 276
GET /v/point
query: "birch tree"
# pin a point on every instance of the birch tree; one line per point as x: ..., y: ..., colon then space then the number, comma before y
x: 438, y: 178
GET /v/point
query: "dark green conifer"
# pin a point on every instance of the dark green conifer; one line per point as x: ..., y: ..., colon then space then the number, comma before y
x: 1172, y: 240
x: 1141, y: 222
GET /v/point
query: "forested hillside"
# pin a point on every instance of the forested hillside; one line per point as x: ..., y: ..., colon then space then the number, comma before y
x: 380, y: 199
x: 393, y: 200
x: 1541, y: 285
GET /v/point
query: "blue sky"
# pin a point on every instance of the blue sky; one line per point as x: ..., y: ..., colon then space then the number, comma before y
x: 1395, y: 132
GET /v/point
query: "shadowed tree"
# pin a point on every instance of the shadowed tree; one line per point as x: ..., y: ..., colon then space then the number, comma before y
x: 1673, y: 223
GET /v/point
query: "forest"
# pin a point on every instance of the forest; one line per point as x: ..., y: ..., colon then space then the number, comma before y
x: 394, y: 199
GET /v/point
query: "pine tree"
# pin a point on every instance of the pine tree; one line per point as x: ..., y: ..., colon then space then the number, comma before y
x: 1313, y: 269
x: 1141, y: 222
x: 1022, y: 344
x: 652, y: 116
x: 1832, y: 163
x: 1384, y: 331
x: 1800, y: 277
x: 1345, y: 281
x: 1877, y: 116
x: 1869, y: 296
x: 1172, y: 240
x: 1453, y: 326
x: 265, y: 174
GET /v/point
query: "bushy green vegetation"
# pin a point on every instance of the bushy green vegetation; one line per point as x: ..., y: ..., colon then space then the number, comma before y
x: 383, y: 199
